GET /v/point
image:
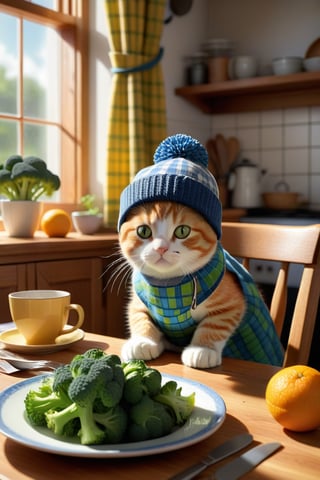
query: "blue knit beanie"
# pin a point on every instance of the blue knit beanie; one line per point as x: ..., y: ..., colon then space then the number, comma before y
x: 179, y: 174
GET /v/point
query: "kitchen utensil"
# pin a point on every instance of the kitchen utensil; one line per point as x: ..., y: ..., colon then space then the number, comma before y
x: 6, y: 367
x: 233, y: 150
x: 213, y: 162
x: 22, y: 363
x: 246, y: 462
x: 217, y: 454
x: 222, y: 151
x: 33, y: 364
x: 245, y: 183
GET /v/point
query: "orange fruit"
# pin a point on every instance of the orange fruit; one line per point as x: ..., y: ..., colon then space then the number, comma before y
x: 56, y: 223
x: 293, y: 398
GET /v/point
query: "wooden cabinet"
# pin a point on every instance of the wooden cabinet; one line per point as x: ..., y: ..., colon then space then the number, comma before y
x: 12, y: 278
x: 76, y: 264
x: 253, y: 94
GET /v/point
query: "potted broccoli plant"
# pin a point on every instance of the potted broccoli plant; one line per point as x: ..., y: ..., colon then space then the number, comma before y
x: 89, y: 220
x: 23, y: 181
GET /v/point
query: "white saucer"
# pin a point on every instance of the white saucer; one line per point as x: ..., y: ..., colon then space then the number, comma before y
x: 14, y: 341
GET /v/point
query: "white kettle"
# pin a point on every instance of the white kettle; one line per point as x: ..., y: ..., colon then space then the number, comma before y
x: 245, y: 181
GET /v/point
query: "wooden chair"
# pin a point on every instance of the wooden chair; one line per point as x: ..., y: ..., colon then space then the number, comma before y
x: 284, y: 244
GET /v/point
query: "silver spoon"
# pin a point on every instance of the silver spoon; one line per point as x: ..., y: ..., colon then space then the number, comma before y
x: 21, y: 363
x: 33, y: 364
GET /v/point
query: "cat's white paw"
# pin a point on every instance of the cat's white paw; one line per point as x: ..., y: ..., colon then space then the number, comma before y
x: 141, y: 348
x: 200, y: 357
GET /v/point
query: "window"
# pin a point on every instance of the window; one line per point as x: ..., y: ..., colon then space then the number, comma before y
x: 43, y: 87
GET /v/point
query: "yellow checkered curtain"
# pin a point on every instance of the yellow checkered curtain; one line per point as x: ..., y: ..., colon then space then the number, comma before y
x: 137, y: 119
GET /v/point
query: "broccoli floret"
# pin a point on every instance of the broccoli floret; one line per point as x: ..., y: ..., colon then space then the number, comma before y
x: 114, y: 422
x: 140, y: 380
x: 92, y: 380
x: 62, y: 379
x: 27, y: 178
x: 11, y: 161
x: 89, y: 432
x: 38, y: 402
x: 180, y: 405
x: 107, y: 374
x: 7, y: 185
x: 149, y: 419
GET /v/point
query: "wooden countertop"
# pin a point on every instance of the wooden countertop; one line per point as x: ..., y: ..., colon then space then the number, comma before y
x: 39, y: 247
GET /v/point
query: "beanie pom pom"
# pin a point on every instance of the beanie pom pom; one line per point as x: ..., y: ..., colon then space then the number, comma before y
x: 181, y: 146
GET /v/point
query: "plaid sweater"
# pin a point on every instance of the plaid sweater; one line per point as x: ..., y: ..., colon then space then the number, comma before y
x: 171, y: 305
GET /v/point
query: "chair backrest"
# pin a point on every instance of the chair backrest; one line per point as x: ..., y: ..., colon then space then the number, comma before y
x: 286, y: 245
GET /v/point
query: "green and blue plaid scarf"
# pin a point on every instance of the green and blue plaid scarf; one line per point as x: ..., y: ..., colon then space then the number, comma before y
x: 170, y: 305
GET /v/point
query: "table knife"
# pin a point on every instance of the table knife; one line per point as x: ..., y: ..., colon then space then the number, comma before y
x: 246, y: 462
x: 219, y: 453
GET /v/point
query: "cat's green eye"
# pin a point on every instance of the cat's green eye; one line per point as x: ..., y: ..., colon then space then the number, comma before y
x: 143, y: 231
x: 182, y: 231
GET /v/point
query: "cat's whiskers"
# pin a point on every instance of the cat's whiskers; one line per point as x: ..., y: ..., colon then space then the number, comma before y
x: 120, y: 269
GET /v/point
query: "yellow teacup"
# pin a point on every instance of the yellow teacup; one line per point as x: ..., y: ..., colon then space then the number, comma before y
x: 41, y: 315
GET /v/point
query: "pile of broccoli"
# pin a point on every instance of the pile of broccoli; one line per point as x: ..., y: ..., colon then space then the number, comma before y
x: 101, y: 400
x: 27, y: 178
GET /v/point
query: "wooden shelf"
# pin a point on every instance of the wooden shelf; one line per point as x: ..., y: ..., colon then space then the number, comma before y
x: 254, y: 94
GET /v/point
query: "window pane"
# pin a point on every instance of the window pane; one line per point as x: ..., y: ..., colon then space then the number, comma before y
x: 52, y: 4
x: 40, y: 72
x: 44, y: 142
x: 8, y: 139
x: 9, y: 64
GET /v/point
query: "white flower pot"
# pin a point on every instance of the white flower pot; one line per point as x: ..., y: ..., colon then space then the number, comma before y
x: 86, y: 223
x: 21, y: 218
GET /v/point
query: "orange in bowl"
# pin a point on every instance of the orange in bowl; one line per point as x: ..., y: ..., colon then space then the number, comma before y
x: 56, y: 222
x: 293, y: 398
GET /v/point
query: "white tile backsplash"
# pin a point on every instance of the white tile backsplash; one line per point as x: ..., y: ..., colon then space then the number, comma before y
x: 315, y: 190
x: 284, y: 142
x: 315, y: 160
x: 250, y: 138
x: 299, y: 183
x: 296, y: 136
x: 250, y: 119
x: 224, y: 121
x: 272, y: 161
x: 315, y: 135
x: 294, y: 116
x: 296, y: 160
x: 272, y: 118
x: 315, y: 114
x: 271, y: 137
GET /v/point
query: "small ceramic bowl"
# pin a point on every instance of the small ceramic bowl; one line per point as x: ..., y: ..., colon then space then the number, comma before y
x: 312, y: 64
x: 286, y: 65
x: 86, y: 223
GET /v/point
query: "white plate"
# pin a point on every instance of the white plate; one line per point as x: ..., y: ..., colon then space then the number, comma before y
x: 208, y: 416
x: 14, y: 341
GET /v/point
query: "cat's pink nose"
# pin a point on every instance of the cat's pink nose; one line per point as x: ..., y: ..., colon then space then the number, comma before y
x: 162, y: 250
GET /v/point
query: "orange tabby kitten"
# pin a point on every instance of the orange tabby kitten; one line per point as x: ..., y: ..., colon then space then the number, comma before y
x: 167, y: 243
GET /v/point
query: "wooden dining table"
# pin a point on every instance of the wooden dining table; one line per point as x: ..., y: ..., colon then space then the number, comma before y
x: 241, y: 385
